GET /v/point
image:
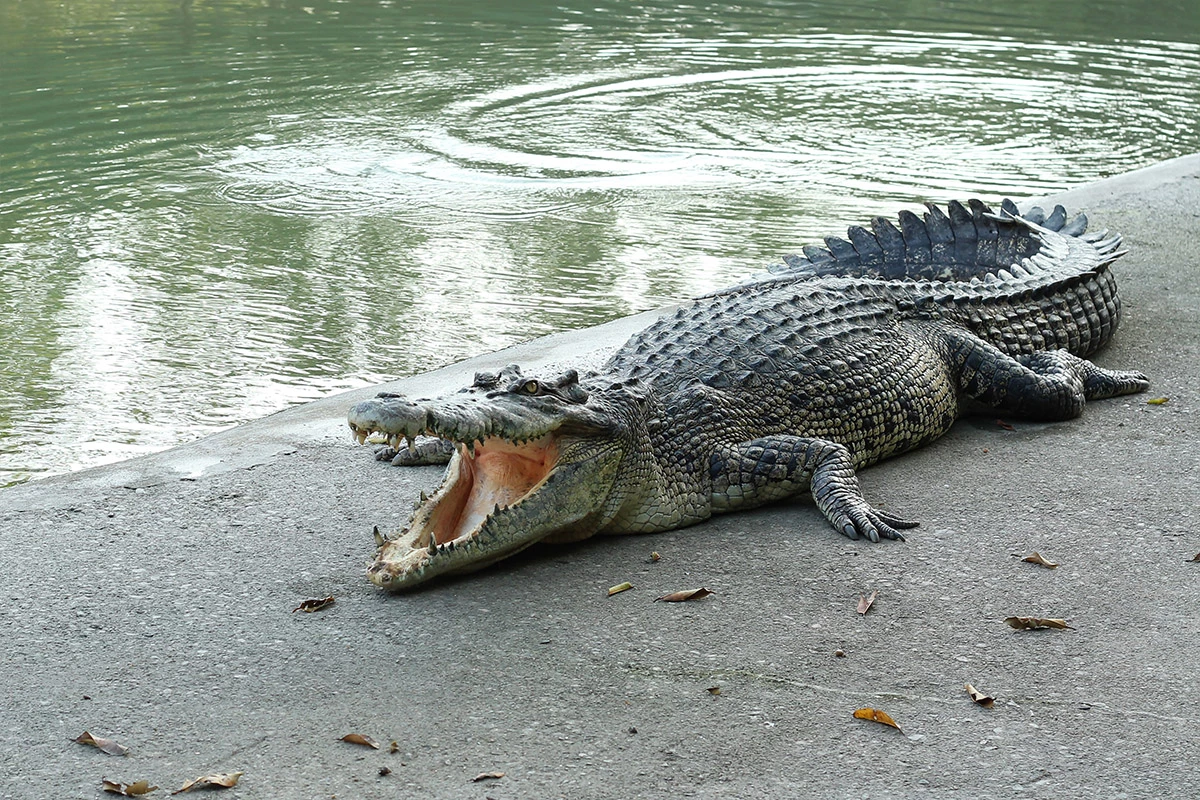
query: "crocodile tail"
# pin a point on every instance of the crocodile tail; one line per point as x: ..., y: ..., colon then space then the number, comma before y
x: 956, y: 244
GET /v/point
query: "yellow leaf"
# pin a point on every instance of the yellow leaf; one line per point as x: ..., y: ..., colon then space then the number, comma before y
x: 1036, y: 558
x: 979, y: 697
x: 875, y: 715
x: 103, y: 745
x: 488, y: 776
x: 1036, y: 623
x: 714, y: 690
x: 360, y: 738
x: 223, y: 780
x: 1158, y: 401
x: 655, y: 556
x: 620, y: 587
x: 683, y: 596
x: 864, y: 601
x: 316, y: 604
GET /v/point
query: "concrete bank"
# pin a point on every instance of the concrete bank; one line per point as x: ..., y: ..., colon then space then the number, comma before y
x: 151, y: 602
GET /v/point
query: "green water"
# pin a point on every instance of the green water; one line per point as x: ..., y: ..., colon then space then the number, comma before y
x: 213, y: 210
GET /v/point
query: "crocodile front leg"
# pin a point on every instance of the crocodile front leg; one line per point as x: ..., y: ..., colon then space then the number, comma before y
x: 772, y: 468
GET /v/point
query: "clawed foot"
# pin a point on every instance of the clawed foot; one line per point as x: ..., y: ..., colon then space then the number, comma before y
x: 859, y: 519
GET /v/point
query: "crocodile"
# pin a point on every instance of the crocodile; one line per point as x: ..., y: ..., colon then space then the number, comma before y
x: 855, y: 351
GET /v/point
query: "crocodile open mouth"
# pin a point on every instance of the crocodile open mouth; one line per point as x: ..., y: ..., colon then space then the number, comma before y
x: 484, y: 480
x: 480, y: 481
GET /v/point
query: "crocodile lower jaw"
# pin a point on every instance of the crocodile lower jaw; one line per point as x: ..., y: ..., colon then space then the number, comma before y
x: 461, y: 527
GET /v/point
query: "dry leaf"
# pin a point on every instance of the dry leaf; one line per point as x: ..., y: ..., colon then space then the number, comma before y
x: 394, y: 747
x: 620, y: 587
x: 875, y: 715
x: 840, y: 653
x: 1195, y: 558
x: 687, y: 594
x: 104, y: 745
x: 385, y: 771
x: 1036, y: 558
x: 1037, y: 623
x: 135, y: 789
x: 1001, y: 423
x: 864, y: 601
x: 316, y: 604
x: 223, y: 780
x: 363, y: 739
x: 979, y: 697
x: 714, y: 690
x: 655, y: 556
x: 488, y: 776
x: 1158, y: 401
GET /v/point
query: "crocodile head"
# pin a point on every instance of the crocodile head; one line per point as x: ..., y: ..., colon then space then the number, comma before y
x: 532, y: 460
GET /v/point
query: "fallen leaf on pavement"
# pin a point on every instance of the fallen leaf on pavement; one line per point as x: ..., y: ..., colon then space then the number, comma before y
x: 359, y: 738
x: 620, y: 587
x: 223, y: 780
x: 875, y: 715
x: 865, y: 601
x: 688, y: 594
x: 714, y: 690
x: 985, y: 700
x: 655, y: 556
x: 394, y: 746
x: 1001, y: 423
x: 1036, y: 558
x: 104, y: 745
x: 1158, y: 401
x: 487, y: 776
x: 134, y: 789
x: 316, y: 604
x: 1037, y: 623
x: 1195, y: 557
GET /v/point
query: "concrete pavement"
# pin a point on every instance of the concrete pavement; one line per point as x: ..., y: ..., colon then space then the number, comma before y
x: 151, y: 602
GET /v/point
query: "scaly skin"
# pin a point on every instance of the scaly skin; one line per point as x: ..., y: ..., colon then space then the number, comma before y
x: 787, y: 384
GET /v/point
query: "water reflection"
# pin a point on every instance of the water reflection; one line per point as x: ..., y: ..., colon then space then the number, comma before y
x: 211, y: 212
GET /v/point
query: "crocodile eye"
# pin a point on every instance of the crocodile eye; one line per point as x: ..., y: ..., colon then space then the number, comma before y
x: 530, y: 387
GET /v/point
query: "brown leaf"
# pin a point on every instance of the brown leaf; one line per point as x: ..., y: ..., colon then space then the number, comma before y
x: 655, y: 556
x: 714, y: 690
x: 687, y: 594
x: 979, y: 697
x: 135, y: 789
x: 360, y: 738
x: 1001, y: 423
x: 394, y: 746
x: 104, y: 745
x: 865, y: 601
x: 1158, y: 401
x: 620, y: 587
x: 316, y: 604
x: 1037, y: 623
x: 223, y: 780
x: 487, y: 776
x: 1194, y: 558
x: 875, y: 715
x: 1036, y: 558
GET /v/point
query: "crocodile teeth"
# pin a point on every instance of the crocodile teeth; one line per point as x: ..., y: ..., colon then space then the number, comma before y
x: 424, y: 497
x: 433, y: 547
x: 360, y: 436
x: 380, y: 539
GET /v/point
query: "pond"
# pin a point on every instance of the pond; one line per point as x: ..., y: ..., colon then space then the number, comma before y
x: 213, y: 210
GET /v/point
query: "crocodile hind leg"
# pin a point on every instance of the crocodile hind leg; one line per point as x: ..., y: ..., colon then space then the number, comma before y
x: 1046, y: 385
x: 752, y: 473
